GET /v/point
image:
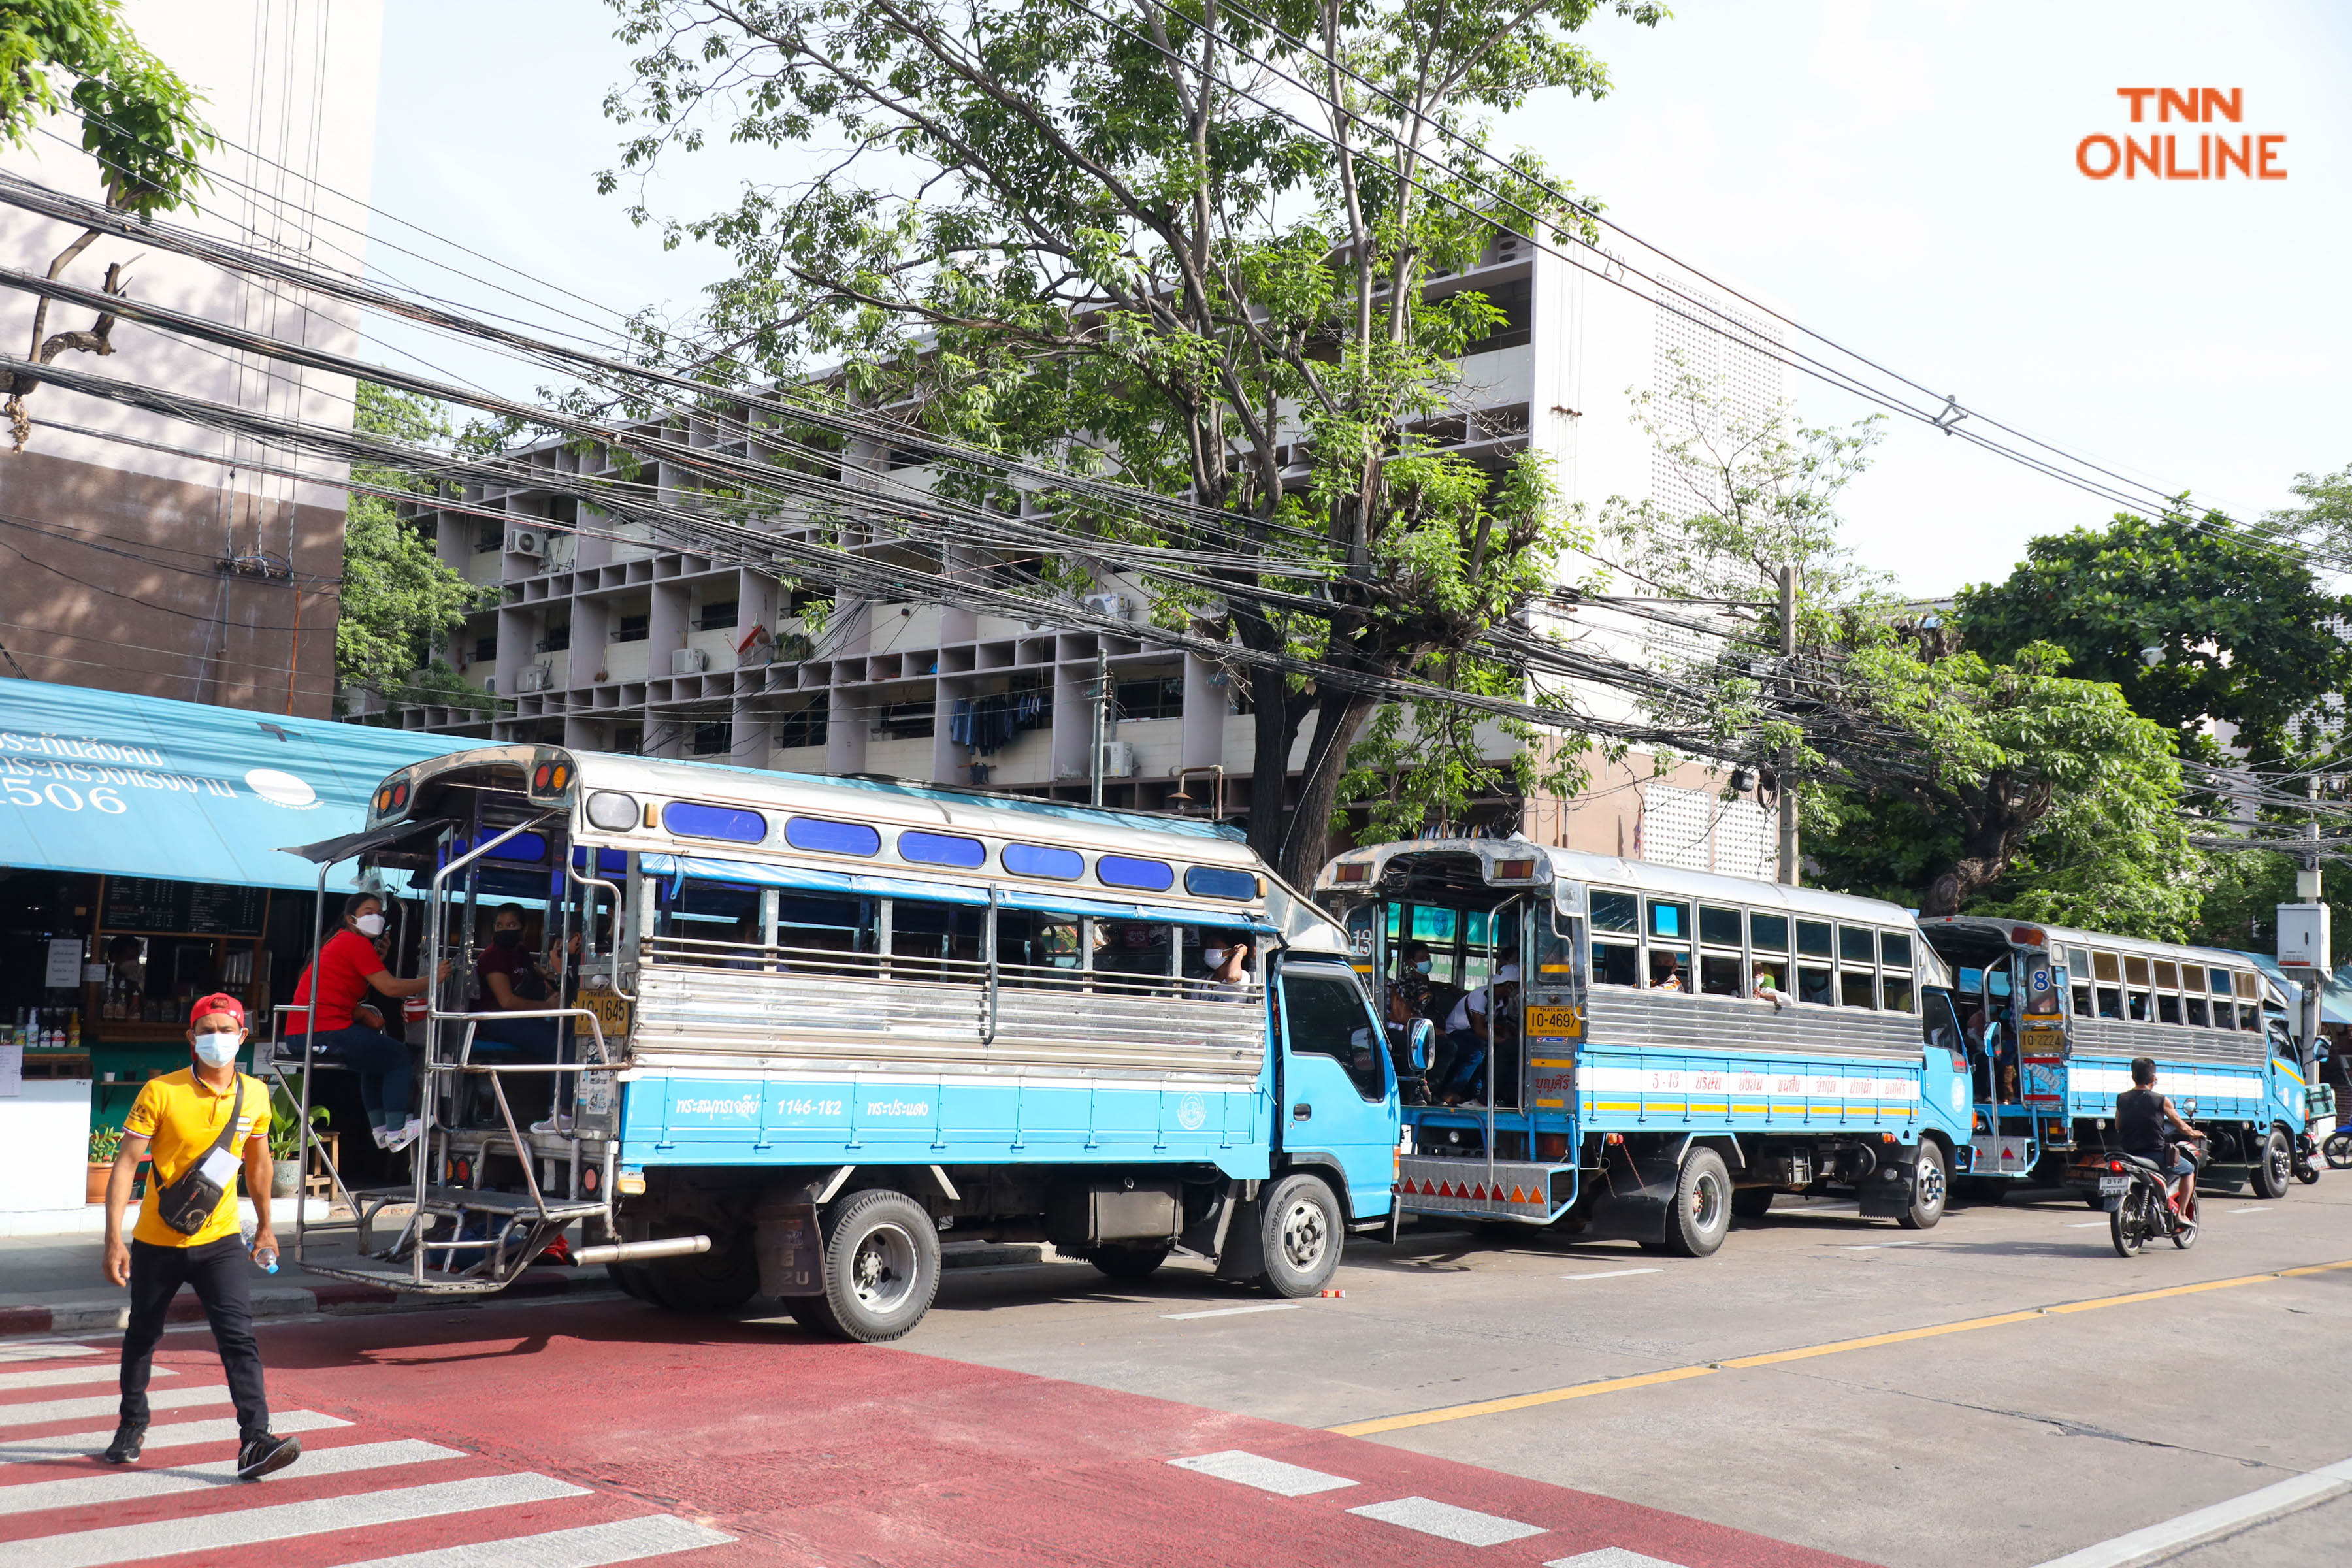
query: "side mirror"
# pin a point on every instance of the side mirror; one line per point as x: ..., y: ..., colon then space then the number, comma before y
x: 2189, y: 1108
x: 1418, y: 1039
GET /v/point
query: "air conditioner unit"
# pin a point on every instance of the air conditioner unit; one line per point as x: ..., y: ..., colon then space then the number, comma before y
x: 1119, y: 760
x: 688, y: 660
x: 526, y: 542
x: 536, y: 677
x: 1115, y: 605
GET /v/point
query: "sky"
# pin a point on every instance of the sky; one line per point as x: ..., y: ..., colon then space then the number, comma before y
x: 1899, y: 178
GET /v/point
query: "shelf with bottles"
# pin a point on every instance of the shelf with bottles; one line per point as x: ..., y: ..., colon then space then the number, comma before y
x: 152, y: 979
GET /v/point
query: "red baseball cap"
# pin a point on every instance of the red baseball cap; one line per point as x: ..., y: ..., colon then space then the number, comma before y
x: 219, y: 1002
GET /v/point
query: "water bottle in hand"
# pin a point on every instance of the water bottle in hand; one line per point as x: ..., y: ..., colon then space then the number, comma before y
x: 266, y: 1259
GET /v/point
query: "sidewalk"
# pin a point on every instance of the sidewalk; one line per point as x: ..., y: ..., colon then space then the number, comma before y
x: 55, y: 1285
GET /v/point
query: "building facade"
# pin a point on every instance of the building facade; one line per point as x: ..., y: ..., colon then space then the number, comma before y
x: 604, y: 638
x: 146, y: 555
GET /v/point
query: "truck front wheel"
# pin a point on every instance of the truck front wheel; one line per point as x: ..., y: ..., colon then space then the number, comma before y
x: 881, y: 1266
x: 2274, y: 1164
x: 1302, y: 1231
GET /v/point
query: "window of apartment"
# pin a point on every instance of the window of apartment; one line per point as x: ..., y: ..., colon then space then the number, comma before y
x: 558, y: 637
x: 486, y: 648
x: 1161, y: 697
x: 711, y: 739
x: 803, y: 726
x: 1513, y: 330
x: 908, y: 721
x: 632, y: 628
x: 718, y: 615
x: 488, y: 536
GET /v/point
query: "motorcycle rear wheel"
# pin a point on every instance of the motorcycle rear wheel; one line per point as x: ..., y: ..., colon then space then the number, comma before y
x: 2184, y: 1226
x: 2124, y: 1226
x: 2337, y: 1150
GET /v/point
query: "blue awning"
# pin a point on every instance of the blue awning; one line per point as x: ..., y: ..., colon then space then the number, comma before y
x: 869, y: 885
x: 2334, y: 991
x: 146, y: 786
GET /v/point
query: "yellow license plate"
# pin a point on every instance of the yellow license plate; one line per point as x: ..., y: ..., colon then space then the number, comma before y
x: 1566, y: 1022
x: 612, y: 1015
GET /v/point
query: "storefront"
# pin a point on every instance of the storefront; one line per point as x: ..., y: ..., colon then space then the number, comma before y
x: 140, y: 868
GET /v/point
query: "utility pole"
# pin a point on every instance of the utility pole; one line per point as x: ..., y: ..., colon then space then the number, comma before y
x: 1101, y: 725
x: 1788, y: 875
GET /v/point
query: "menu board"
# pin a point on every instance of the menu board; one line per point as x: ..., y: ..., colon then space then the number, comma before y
x: 151, y: 904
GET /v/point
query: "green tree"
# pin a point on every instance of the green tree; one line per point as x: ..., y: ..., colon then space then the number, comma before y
x: 398, y: 599
x: 2195, y: 619
x: 138, y: 118
x: 1075, y: 237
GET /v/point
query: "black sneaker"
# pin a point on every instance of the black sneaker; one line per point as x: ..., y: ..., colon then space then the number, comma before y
x: 128, y: 1439
x: 264, y: 1454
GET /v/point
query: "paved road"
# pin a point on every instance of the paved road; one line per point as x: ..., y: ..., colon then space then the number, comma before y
x: 2018, y: 1393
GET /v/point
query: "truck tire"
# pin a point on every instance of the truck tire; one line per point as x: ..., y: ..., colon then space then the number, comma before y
x: 881, y: 1266
x: 2273, y: 1167
x: 1751, y: 1203
x: 1128, y: 1262
x: 1701, y: 1215
x: 630, y: 1279
x: 1303, y: 1230
x: 1928, y: 1189
x: 815, y: 1313
x: 718, y: 1280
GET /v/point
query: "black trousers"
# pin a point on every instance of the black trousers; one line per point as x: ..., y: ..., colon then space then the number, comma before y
x: 221, y: 1275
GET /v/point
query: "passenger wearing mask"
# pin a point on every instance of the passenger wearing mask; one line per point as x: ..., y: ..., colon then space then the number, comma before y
x: 511, y: 982
x: 347, y: 972
x: 1412, y: 1086
x: 1229, y: 976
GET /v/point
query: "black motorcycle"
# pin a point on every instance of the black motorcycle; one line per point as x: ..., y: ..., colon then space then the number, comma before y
x: 2137, y: 1196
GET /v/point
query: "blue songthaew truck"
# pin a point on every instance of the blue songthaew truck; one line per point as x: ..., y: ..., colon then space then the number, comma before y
x: 1638, y: 1051
x: 805, y: 1027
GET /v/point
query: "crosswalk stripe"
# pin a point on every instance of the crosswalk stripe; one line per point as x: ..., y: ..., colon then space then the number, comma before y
x: 82, y: 1409
x: 1266, y: 1475
x: 73, y: 1444
x: 43, y: 1349
x: 590, y: 1546
x: 1610, y: 1557
x: 1448, y: 1522
x: 90, y: 1491
x: 58, y: 1376
x: 217, y: 1532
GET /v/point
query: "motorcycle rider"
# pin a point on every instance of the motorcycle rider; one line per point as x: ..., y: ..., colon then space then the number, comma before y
x: 2141, y: 1115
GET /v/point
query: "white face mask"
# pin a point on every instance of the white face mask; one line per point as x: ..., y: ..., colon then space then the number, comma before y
x: 369, y: 926
x: 1212, y: 957
x: 218, y: 1049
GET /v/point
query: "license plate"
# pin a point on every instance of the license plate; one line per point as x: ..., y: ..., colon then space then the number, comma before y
x: 611, y: 1012
x: 1561, y: 1022
x: 2109, y: 1186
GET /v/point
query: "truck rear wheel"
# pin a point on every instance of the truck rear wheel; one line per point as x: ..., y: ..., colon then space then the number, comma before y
x: 1753, y: 1203
x: 1701, y: 1215
x: 718, y: 1280
x: 881, y: 1266
x: 1928, y: 1189
x: 1302, y: 1231
x: 2273, y: 1165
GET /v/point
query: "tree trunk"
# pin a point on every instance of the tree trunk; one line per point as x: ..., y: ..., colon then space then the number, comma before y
x: 1339, y: 720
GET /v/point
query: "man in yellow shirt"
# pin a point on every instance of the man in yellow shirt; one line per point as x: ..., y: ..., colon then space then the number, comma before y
x: 178, y: 1122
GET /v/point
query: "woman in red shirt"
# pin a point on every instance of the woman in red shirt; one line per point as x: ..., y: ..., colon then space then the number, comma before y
x: 349, y: 973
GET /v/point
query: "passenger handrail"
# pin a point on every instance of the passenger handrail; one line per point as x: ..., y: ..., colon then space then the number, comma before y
x: 588, y: 927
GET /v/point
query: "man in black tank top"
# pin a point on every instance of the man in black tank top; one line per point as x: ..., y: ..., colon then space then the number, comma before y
x: 2145, y: 1121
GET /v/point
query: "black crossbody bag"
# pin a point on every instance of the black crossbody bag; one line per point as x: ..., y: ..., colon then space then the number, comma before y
x: 190, y: 1201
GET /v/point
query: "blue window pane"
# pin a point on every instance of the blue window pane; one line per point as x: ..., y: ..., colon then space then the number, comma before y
x: 691, y: 819
x: 1038, y: 860
x: 527, y: 847
x: 1670, y: 920
x: 943, y: 849
x: 1217, y: 882
x: 1127, y: 871
x: 832, y: 837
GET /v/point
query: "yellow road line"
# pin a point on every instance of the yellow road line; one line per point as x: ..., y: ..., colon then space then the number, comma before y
x: 1805, y: 1352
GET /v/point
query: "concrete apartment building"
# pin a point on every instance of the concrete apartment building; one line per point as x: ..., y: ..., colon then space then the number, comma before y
x: 141, y: 555
x: 609, y: 640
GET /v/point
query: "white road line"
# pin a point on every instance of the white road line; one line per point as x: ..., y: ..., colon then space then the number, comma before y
x: 590, y: 1546
x: 43, y: 1350
x: 2263, y: 1209
x: 74, y: 1444
x: 1266, y: 1475
x: 2086, y: 1224
x: 217, y: 1532
x: 81, y: 1409
x: 1611, y: 1557
x: 56, y: 1377
x: 1236, y: 1311
x: 2175, y: 1535
x: 1610, y: 1274
x: 121, y: 1486
x: 1450, y: 1524
x: 1876, y: 1246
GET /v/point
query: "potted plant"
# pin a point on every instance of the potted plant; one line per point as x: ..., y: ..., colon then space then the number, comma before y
x: 285, y: 1140
x: 105, y: 1144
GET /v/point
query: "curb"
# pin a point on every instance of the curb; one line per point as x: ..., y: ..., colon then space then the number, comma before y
x: 112, y: 1315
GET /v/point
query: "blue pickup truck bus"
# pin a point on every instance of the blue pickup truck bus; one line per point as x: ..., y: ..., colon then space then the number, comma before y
x: 818, y: 1023
x: 1680, y: 1048
x: 2052, y: 1019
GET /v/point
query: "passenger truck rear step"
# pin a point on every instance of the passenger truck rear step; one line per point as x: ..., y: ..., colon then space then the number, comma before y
x: 395, y: 1277
x: 488, y: 1200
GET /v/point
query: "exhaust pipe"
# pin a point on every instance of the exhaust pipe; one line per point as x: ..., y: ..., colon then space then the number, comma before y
x: 642, y: 1251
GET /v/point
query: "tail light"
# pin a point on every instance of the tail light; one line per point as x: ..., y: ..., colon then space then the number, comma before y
x: 1551, y: 1146
x: 2114, y: 1164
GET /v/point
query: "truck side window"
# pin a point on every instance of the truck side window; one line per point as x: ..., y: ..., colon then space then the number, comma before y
x: 1326, y: 1016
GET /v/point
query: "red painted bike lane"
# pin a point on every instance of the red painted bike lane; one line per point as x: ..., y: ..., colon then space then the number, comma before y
x: 614, y: 1415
